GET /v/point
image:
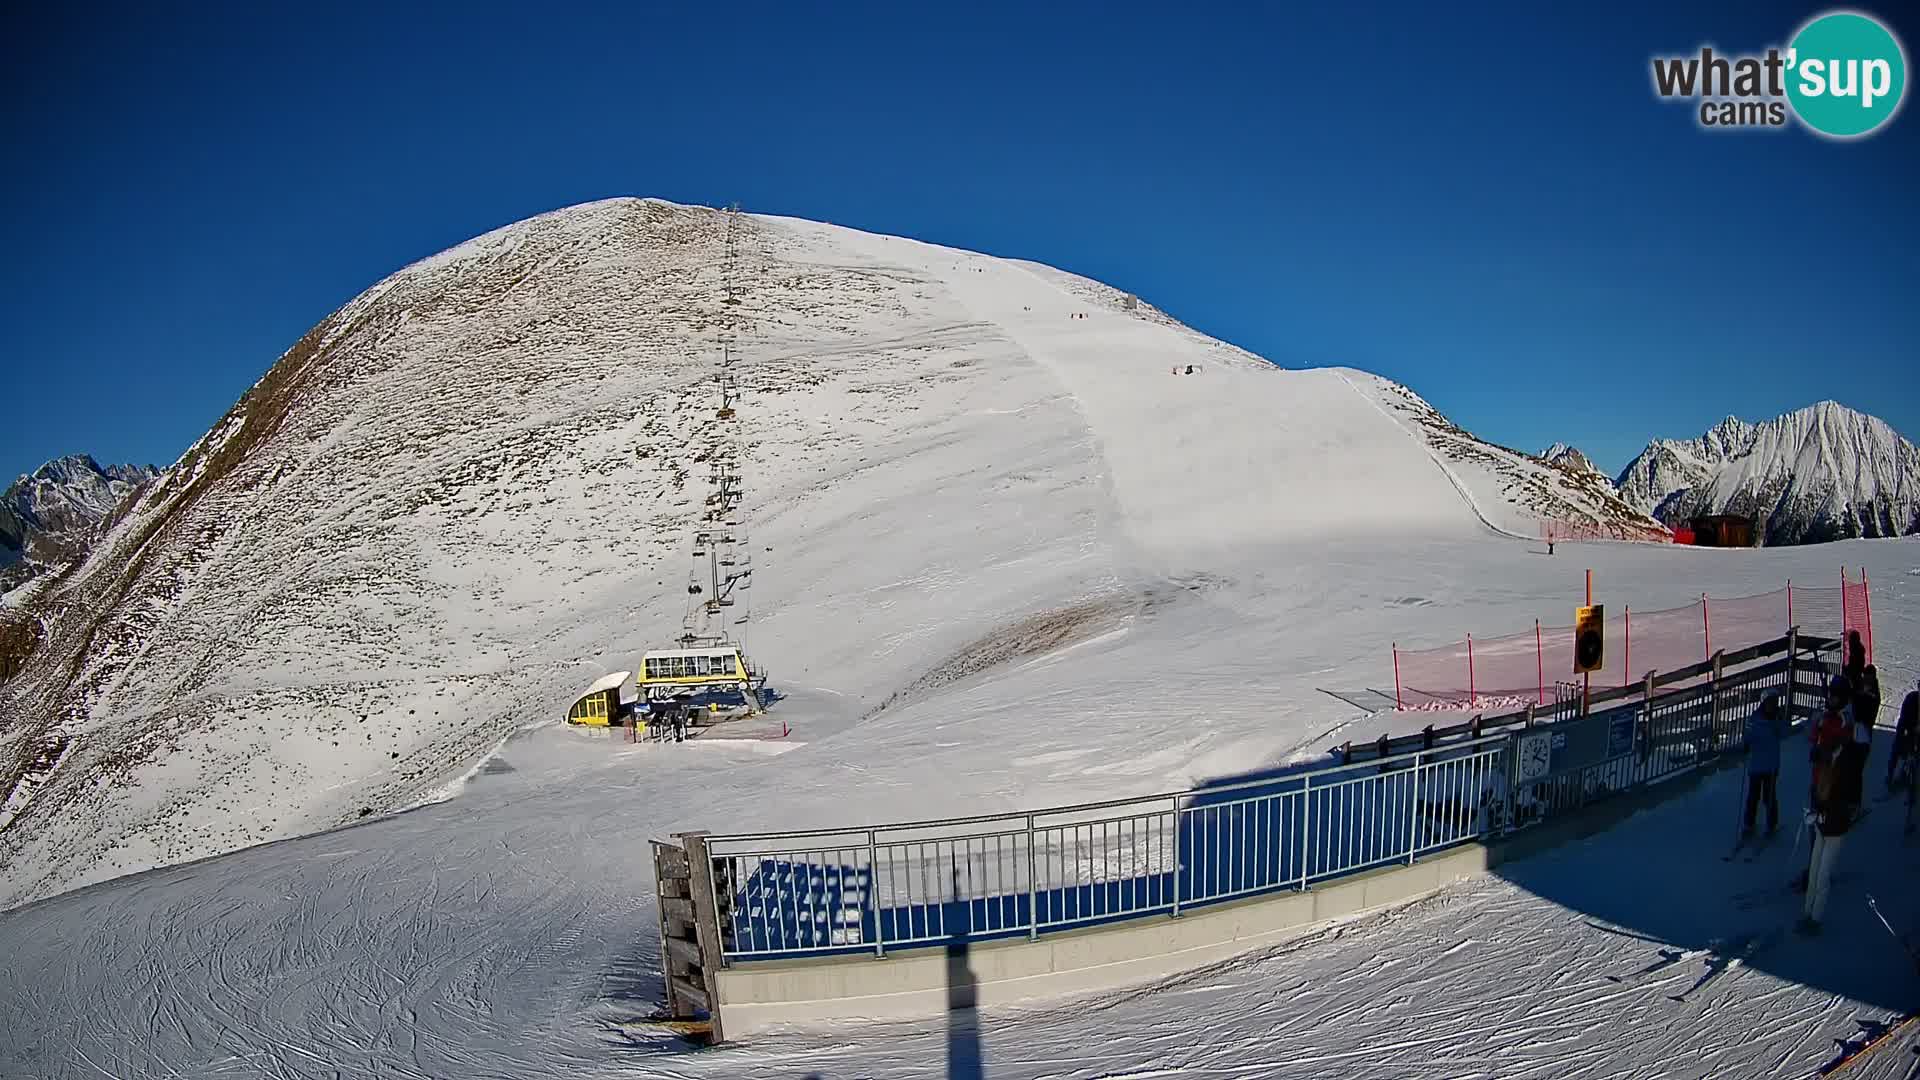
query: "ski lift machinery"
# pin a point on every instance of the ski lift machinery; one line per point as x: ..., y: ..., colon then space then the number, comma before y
x: 706, y: 658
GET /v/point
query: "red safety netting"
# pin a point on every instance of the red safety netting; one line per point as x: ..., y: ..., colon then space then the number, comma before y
x: 1516, y: 669
x: 1856, y: 609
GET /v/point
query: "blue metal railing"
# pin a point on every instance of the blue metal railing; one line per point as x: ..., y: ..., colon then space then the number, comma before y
x: 871, y: 889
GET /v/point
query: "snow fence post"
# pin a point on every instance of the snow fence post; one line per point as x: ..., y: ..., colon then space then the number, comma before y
x: 1539, y: 664
x: 1413, y: 810
x: 1793, y: 674
x: 1843, y: 616
x: 873, y: 878
x: 1866, y: 602
x: 1714, y: 701
x: 1398, y: 705
x: 1647, y: 708
x: 1176, y: 856
x: 1472, y: 692
x: 1306, y: 823
x: 1510, y: 755
x: 1033, y: 888
x: 1706, y: 624
x: 1626, y: 665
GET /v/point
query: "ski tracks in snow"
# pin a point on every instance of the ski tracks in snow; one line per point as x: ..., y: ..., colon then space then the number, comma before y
x: 1484, y: 979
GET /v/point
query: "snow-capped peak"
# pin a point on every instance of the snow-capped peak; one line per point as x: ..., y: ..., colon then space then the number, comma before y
x: 48, y: 514
x: 1822, y: 472
x: 1568, y: 457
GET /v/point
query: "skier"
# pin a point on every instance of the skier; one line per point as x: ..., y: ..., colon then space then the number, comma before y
x: 1866, y: 702
x: 1837, y: 791
x: 1764, y: 730
x: 1840, y: 773
x: 1824, y: 742
x: 1863, y: 707
x: 1856, y: 661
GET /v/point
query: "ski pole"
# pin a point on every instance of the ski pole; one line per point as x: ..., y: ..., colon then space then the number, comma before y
x: 1875, y: 905
x: 1740, y: 819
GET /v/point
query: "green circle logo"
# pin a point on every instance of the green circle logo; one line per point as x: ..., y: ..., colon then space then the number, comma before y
x: 1846, y: 74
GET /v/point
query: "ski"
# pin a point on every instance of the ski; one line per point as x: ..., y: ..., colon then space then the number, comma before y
x: 1720, y: 955
x: 1894, y: 1028
x: 1760, y: 847
x: 1849, y: 1058
x: 1725, y: 960
x: 1669, y: 958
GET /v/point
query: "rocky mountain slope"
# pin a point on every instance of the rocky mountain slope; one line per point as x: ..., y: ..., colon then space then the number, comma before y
x: 1568, y: 457
x: 52, y: 513
x: 468, y: 492
x: 1825, y: 472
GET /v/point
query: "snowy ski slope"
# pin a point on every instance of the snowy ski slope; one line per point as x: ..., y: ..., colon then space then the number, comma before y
x: 466, y: 494
x: 509, y: 931
x: 1009, y: 559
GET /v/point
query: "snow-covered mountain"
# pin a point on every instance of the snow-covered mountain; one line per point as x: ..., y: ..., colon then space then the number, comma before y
x: 1568, y: 457
x: 469, y: 491
x: 1005, y: 557
x: 53, y: 512
x: 1825, y: 472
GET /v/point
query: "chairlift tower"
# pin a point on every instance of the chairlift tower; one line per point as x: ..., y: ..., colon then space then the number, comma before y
x: 707, y: 658
x: 723, y: 569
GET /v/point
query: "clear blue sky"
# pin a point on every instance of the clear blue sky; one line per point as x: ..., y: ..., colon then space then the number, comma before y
x: 1488, y: 205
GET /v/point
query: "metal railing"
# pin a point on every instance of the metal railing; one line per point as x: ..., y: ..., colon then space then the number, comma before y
x: 921, y: 883
x: 884, y: 887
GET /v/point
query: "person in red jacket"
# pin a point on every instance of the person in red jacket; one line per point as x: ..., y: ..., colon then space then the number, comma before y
x: 1825, y: 741
x: 1838, y: 772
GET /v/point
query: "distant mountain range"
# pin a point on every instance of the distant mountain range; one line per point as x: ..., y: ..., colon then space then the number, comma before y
x: 52, y: 514
x: 1825, y: 472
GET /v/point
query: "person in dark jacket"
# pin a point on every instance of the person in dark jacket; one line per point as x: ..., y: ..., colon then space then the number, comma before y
x: 1866, y: 700
x: 1839, y: 768
x: 1903, y: 739
x: 1765, y: 728
x: 1863, y: 706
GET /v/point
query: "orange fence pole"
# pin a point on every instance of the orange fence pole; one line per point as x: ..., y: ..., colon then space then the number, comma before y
x: 1626, y: 666
x: 1540, y: 661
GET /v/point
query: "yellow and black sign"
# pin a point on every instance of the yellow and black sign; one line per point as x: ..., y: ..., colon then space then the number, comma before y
x: 1589, y: 638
